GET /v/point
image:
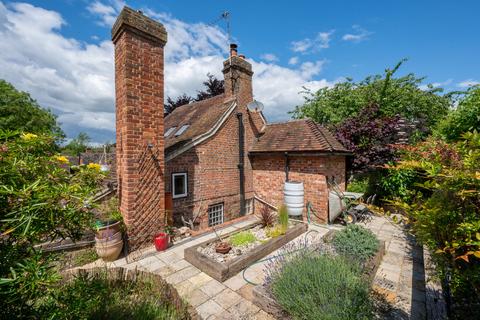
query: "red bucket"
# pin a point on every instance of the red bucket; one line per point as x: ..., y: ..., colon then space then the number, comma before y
x: 161, y: 241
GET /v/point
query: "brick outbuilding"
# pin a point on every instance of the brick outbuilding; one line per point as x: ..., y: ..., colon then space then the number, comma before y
x: 217, y: 158
x: 223, y: 161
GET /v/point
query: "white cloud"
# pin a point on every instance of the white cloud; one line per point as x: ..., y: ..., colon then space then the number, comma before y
x: 269, y: 57
x: 293, y: 61
x: 76, y: 78
x: 468, y: 83
x: 107, y: 12
x: 435, y: 85
x: 307, y: 45
x: 360, y: 34
x: 70, y: 77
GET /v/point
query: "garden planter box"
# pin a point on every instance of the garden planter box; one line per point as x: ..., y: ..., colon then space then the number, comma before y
x: 223, y: 271
x: 264, y: 299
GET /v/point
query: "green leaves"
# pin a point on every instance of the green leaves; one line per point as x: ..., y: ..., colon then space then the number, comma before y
x: 395, y: 96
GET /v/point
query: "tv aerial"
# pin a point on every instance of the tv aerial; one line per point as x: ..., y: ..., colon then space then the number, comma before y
x: 224, y: 16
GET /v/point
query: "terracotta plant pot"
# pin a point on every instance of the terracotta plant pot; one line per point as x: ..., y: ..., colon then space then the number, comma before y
x: 117, y: 236
x: 108, y: 230
x: 223, y: 247
x: 109, y: 250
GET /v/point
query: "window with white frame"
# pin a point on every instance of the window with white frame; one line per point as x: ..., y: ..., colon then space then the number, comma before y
x: 215, y: 214
x: 179, y: 185
x: 249, y: 206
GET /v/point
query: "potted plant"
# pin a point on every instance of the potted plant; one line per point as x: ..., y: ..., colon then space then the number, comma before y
x: 109, y: 232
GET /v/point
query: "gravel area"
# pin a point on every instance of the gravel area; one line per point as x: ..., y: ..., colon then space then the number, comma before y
x: 257, y: 231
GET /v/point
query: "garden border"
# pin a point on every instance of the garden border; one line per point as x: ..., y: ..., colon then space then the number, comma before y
x: 264, y: 300
x: 119, y: 273
x: 224, y: 271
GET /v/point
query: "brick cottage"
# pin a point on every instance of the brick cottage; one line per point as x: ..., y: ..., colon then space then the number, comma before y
x: 218, y: 159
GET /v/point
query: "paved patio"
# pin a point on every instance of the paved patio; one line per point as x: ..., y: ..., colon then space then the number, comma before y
x: 398, y: 278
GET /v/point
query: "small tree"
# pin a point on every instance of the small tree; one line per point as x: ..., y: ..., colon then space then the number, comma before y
x: 370, y: 138
x: 172, y: 104
x: 466, y: 117
x: 393, y: 95
x: 39, y: 200
x: 213, y: 87
x: 18, y: 111
x: 78, y: 144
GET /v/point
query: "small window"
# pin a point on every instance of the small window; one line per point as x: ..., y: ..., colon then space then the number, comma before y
x: 215, y: 214
x: 249, y: 206
x: 179, y: 185
x: 182, y: 130
x: 169, y: 131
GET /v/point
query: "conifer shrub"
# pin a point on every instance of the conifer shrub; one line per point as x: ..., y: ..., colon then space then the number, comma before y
x: 355, y: 242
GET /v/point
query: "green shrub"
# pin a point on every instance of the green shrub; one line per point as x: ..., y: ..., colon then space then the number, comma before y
x: 275, y: 231
x: 445, y: 215
x: 88, y: 297
x: 398, y: 184
x: 355, y: 242
x: 242, y: 238
x: 466, y: 117
x: 322, y: 287
x: 359, y: 185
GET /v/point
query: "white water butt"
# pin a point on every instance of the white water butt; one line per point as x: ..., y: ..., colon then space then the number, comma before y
x: 293, y: 194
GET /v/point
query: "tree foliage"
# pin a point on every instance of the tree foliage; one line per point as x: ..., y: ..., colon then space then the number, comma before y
x: 78, y: 144
x: 466, y: 117
x: 213, y: 87
x: 369, y: 136
x: 444, y: 210
x: 394, y: 96
x: 40, y: 199
x: 18, y: 111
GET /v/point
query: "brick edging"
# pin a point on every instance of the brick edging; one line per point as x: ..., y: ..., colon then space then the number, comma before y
x: 435, y: 304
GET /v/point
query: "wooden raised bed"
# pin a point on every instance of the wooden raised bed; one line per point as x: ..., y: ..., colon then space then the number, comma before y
x: 223, y: 271
x: 264, y: 299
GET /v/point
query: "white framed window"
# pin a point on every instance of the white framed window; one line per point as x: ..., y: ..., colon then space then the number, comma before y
x: 169, y: 131
x: 182, y: 130
x: 179, y: 185
x: 215, y: 214
x: 249, y: 206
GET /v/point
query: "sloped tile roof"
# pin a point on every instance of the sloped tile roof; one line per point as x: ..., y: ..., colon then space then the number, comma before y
x: 201, y: 116
x: 297, y: 135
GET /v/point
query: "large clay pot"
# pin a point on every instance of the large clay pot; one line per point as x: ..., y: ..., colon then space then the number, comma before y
x: 117, y: 236
x: 109, y: 229
x: 109, y: 250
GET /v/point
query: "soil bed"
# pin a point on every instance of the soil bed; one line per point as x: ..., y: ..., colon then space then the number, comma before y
x: 223, y: 266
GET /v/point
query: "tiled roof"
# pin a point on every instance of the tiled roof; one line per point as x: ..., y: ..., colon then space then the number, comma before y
x: 297, y: 135
x: 201, y: 116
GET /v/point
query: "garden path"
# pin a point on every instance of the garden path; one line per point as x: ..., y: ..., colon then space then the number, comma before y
x: 233, y: 298
x: 400, y: 277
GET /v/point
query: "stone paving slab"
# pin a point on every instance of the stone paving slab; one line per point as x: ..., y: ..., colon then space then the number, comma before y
x: 397, y: 278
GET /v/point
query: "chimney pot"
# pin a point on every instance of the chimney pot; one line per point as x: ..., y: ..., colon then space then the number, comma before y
x: 242, y: 56
x: 233, y: 50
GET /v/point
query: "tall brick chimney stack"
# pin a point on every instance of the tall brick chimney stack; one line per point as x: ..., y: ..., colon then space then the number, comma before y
x: 139, y: 91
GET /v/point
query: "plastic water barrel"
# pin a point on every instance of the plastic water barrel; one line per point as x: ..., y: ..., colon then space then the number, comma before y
x: 293, y: 195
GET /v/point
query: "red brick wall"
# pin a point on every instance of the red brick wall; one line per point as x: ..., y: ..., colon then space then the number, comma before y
x: 213, y: 176
x: 269, y: 178
x: 139, y: 43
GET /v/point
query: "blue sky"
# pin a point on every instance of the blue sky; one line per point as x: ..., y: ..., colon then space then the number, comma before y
x: 60, y: 51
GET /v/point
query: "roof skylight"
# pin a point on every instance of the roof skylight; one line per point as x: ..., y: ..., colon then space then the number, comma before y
x: 169, y: 131
x: 182, y: 130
